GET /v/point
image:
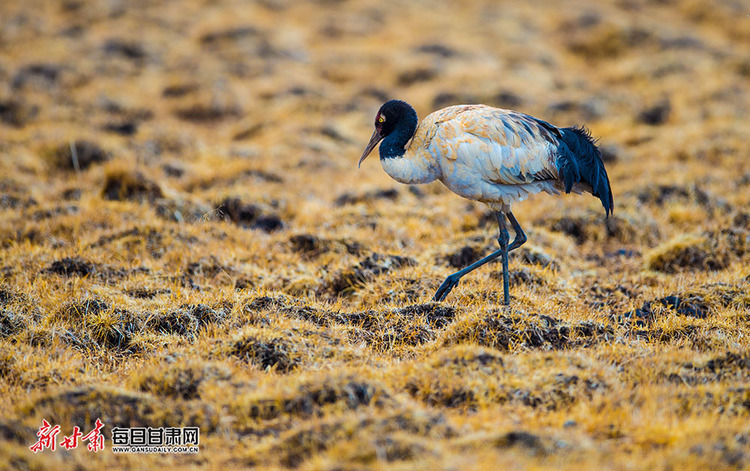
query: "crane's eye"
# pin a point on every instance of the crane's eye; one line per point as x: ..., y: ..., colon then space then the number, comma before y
x: 381, y: 119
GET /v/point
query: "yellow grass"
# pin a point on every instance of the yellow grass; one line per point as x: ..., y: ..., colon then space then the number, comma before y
x: 217, y: 260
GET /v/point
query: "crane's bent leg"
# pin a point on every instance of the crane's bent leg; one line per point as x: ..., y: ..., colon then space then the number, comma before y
x: 520, y: 238
x: 452, y: 280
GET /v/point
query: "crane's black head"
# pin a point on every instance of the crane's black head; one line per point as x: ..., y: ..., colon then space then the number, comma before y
x: 396, y: 122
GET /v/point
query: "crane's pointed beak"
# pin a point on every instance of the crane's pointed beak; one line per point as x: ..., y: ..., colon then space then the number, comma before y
x: 374, y: 140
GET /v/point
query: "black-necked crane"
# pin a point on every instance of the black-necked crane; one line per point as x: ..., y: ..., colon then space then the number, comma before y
x: 490, y: 155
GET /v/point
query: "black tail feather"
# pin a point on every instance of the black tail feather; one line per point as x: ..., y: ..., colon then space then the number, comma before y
x: 579, y: 161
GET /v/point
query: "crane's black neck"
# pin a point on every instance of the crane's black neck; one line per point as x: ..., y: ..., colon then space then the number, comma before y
x: 406, y: 124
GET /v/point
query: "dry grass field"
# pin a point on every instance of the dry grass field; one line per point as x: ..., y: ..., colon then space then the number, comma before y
x: 186, y: 240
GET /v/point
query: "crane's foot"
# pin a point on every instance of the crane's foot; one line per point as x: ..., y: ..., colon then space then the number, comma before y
x: 449, y: 283
x: 505, y: 247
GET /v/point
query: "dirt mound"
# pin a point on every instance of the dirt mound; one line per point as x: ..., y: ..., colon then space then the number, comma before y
x: 187, y: 320
x: 147, y: 293
x: 115, y: 329
x: 128, y: 185
x: 71, y: 266
x: 17, y: 112
x: 79, y: 154
x: 590, y: 226
x: 266, y: 351
x: 346, y: 281
x: 248, y: 215
x: 384, y: 330
x: 83, y: 405
x: 521, y: 330
x: 350, y: 198
x: 436, y: 314
x: 295, y: 447
x: 10, y: 323
x: 179, y: 380
x: 690, y: 306
x: 465, y: 256
x: 694, y: 253
x: 314, y: 398
x: 311, y: 247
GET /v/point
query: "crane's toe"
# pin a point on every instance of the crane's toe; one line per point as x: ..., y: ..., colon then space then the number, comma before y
x: 445, y: 288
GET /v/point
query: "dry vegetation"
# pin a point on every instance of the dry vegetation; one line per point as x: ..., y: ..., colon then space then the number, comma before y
x: 186, y: 239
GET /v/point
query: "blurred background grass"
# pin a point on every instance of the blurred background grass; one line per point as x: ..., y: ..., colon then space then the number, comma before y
x: 186, y: 239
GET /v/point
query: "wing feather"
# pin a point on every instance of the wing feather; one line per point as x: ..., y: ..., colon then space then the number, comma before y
x: 504, y: 147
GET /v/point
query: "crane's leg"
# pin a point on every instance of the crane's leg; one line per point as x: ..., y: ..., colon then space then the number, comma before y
x: 503, y: 240
x: 520, y: 238
x: 452, y: 280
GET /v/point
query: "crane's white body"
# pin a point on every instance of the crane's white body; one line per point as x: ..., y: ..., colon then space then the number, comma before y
x: 490, y: 155
x: 481, y: 153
